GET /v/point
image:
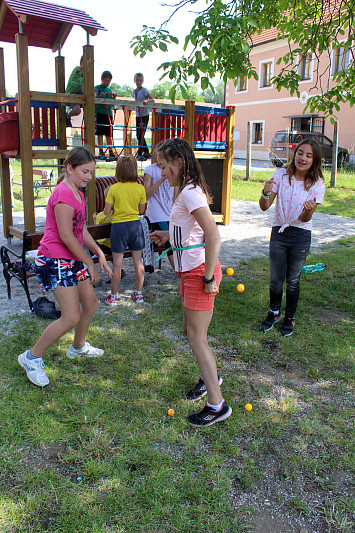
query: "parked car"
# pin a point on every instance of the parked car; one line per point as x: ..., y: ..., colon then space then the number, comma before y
x: 284, y: 142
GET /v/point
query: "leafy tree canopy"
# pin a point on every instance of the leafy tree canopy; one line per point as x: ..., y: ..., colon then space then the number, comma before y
x: 122, y: 90
x: 221, y: 38
x: 162, y: 90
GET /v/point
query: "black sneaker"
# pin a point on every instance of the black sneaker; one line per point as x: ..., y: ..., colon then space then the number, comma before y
x: 208, y: 416
x: 200, y: 390
x: 288, y: 325
x: 269, y: 321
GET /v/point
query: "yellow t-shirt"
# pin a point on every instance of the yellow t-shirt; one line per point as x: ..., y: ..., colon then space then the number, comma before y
x: 101, y: 218
x: 126, y: 199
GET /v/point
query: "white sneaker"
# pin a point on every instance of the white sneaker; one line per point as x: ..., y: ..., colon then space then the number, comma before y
x: 85, y: 351
x: 34, y: 369
x: 138, y: 298
x: 111, y: 300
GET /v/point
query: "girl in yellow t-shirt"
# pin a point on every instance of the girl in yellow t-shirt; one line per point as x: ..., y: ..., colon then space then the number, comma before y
x: 126, y: 200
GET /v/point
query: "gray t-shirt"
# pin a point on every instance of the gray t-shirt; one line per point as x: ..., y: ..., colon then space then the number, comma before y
x: 139, y: 96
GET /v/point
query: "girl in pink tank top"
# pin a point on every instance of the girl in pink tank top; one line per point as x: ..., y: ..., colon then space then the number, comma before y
x: 60, y: 266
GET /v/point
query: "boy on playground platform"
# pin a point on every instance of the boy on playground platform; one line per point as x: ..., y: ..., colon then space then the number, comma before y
x: 141, y: 94
x: 104, y: 114
x: 75, y: 86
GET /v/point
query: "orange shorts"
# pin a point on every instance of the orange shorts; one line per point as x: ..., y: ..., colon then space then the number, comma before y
x: 192, y: 288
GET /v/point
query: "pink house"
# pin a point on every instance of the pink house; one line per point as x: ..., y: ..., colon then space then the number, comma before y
x: 268, y: 110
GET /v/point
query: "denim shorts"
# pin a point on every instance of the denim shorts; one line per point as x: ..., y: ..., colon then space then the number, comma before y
x: 127, y: 236
x: 63, y: 272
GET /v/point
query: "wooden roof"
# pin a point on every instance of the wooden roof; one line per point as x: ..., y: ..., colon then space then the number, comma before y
x: 45, y: 25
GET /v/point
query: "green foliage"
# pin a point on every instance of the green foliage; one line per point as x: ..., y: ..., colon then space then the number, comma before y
x: 220, y: 41
x: 122, y: 90
x: 215, y: 96
x: 188, y: 92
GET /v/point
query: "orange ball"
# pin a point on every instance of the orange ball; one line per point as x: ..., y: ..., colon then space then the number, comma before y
x: 230, y: 271
x: 171, y: 412
x: 240, y: 287
x: 248, y: 407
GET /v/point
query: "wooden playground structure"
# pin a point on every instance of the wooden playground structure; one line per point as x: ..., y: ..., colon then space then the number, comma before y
x: 33, y: 126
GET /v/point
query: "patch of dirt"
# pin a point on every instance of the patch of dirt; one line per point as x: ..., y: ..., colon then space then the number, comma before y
x: 331, y: 316
x: 48, y: 456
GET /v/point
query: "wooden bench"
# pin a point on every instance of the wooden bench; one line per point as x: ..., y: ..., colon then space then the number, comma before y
x: 31, y: 241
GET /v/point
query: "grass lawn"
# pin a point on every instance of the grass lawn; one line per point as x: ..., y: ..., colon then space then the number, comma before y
x: 337, y: 201
x: 95, y: 451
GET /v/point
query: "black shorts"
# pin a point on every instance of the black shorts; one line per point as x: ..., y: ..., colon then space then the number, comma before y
x: 101, y: 120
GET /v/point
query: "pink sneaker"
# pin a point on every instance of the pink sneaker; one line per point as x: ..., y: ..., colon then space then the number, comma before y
x: 137, y: 297
x: 111, y: 300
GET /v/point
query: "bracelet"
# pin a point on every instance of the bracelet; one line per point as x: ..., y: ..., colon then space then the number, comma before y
x: 265, y: 196
x: 208, y: 281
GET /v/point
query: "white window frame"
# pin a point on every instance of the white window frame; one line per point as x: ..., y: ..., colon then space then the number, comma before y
x: 237, y: 87
x: 261, y: 65
x: 252, y: 123
x: 333, y: 58
x: 311, y: 67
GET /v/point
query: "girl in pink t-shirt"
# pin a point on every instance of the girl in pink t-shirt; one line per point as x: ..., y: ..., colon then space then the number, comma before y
x: 60, y: 266
x: 298, y: 190
x: 195, y: 241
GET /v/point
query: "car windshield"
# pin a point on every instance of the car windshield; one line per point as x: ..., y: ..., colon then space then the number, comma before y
x: 280, y: 137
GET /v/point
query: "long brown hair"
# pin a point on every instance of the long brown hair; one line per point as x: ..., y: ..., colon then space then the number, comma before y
x: 126, y: 169
x: 191, y: 173
x: 315, y: 172
x: 75, y: 157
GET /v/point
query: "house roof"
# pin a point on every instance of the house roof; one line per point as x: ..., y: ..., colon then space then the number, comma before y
x: 330, y: 9
x: 46, y: 25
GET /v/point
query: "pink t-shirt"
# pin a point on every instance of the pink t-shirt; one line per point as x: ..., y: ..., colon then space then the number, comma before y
x: 184, y: 229
x: 51, y: 244
x: 290, y: 199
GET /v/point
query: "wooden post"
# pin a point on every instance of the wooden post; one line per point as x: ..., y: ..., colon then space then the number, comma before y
x: 61, y: 112
x: 127, y: 133
x: 2, y: 79
x: 333, y: 176
x: 228, y: 167
x: 190, y: 122
x: 155, y: 118
x: 5, y: 167
x: 25, y: 131
x: 6, y: 195
x: 248, y: 158
x: 89, y: 119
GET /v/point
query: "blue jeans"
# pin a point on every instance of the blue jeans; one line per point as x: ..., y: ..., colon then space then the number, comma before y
x: 287, y: 254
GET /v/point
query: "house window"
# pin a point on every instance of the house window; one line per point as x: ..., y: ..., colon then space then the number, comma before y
x: 304, y: 69
x: 341, y: 59
x: 266, y: 73
x: 241, y: 85
x: 257, y: 132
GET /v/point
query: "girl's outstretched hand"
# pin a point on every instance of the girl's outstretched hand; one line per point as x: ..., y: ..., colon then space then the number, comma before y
x: 103, y: 264
x: 310, y: 205
x: 268, y: 186
x: 94, y: 275
x: 160, y: 237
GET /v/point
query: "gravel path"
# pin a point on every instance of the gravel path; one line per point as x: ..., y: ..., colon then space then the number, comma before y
x: 247, y: 236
